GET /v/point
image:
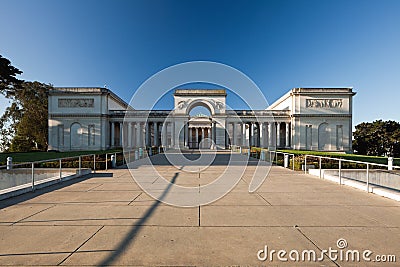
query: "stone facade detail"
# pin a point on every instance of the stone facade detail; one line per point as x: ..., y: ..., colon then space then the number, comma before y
x: 76, y: 102
x: 302, y: 119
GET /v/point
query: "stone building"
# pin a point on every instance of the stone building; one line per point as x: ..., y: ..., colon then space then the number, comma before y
x: 302, y: 119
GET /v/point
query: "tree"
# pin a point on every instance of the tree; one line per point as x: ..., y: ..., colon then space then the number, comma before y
x: 24, y: 124
x: 379, y: 138
x: 8, y: 81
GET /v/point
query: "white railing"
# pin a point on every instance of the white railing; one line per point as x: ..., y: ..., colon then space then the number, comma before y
x: 272, y: 155
x: 339, y: 161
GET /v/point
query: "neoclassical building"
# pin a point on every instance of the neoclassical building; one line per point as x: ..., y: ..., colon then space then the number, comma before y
x: 302, y: 119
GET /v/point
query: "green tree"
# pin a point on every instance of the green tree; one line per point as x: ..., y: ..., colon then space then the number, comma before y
x: 24, y: 124
x: 8, y: 80
x: 377, y: 138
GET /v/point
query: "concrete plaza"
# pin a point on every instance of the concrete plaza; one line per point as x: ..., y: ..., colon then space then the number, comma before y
x: 106, y: 219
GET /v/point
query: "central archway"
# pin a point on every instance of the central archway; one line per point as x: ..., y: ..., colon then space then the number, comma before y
x: 200, y: 124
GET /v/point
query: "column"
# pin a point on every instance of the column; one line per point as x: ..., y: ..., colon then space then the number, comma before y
x: 112, y: 134
x: 244, y: 134
x: 202, y: 137
x: 134, y: 133
x: 164, y: 141
x: 270, y: 136
x: 252, y: 135
x: 190, y: 144
x: 139, y: 135
x: 278, y: 134
x: 173, y: 134
x: 121, y: 130
x: 214, y: 132
x: 209, y: 137
x: 129, y: 134
x: 156, y: 139
x: 234, y: 137
x: 147, y: 134
x: 186, y: 134
x: 287, y: 134
x: 262, y: 134
x: 197, y: 137
x: 233, y: 134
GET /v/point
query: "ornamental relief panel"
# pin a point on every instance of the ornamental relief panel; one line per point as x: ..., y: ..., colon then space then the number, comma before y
x: 324, y: 103
x: 76, y: 103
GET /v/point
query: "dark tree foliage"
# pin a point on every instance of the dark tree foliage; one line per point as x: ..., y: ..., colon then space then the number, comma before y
x: 24, y: 124
x: 378, y: 138
x: 8, y: 81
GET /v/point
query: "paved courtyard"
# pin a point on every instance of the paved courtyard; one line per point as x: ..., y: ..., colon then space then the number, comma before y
x: 106, y: 219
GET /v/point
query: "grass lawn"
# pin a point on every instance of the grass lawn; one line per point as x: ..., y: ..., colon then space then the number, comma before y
x: 379, y: 160
x: 19, y: 157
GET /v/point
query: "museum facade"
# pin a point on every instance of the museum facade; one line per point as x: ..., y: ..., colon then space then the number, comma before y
x: 302, y: 119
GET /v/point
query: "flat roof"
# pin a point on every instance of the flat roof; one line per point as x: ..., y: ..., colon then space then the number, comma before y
x: 200, y: 92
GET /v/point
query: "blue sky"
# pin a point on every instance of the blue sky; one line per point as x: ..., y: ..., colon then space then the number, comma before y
x: 278, y: 44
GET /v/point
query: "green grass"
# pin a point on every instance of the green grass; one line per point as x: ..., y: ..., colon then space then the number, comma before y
x: 372, y: 159
x: 19, y: 157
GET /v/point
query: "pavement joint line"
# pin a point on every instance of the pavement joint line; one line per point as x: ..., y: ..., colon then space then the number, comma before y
x: 135, y: 198
x: 32, y: 215
x: 90, y: 189
x: 98, y: 230
x: 199, y: 217
x: 264, y: 199
x: 312, y: 242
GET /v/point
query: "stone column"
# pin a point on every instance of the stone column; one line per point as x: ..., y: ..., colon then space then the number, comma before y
x: 244, y: 143
x: 233, y: 134
x: 252, y: 135
x: 186, y: 134
x: 287, y: 134
x: 156, y: 139
x: 278, y: 134
x: 173, y: 134
x: 134, y: 133
x: 202, y: 137
x: 129, y: 134
x: 164, y: 141
x: 197, y: 137
x: 190, y: 144
x: 236, y: 136
x: 262, y: 134
x: 209, y: 137
x: 121, y: 131
x: 148, y: 134
x: 270, y: 136
x: 112, y: 134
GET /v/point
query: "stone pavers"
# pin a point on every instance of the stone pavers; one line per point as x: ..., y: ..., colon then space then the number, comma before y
x: 106, y: 219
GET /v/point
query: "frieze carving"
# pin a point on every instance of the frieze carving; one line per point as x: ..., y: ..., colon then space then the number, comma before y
x: 182, y: 104
x: 324, y: 103
x: 219, y: 105
x: 76, y: 102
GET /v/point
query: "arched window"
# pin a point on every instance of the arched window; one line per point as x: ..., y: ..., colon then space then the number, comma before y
x: 76, y: 135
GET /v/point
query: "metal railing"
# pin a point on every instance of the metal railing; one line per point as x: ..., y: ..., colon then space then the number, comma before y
x: 28, y: 176
x: 342, y: 165
x: 272, y: 156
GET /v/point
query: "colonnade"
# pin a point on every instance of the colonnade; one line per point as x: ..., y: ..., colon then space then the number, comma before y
x: 200, y: 137
x: 260, y: 134
x: 153, y: 133
x: 140, y: 134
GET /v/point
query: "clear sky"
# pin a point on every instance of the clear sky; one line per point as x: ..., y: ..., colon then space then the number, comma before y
x: 279, y: 44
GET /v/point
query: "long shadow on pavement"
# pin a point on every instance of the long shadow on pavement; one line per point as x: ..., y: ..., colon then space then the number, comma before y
x: 130, y: 237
